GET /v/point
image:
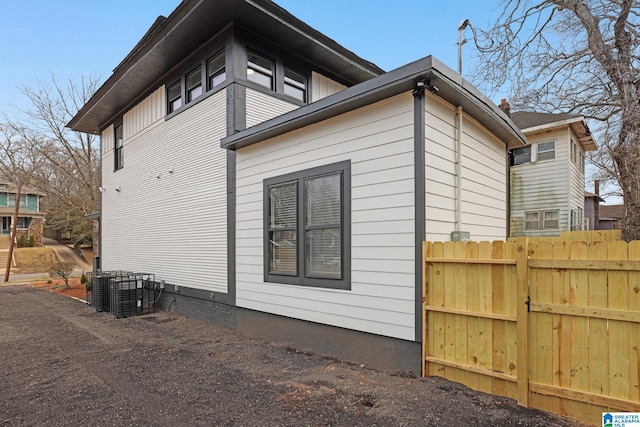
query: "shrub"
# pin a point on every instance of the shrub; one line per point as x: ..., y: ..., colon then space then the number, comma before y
x: 22, y: 241
x: 32, y: 241
x: 63, y: 270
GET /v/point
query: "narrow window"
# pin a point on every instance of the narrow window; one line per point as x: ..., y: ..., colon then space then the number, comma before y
x: 323, y: 225
x: 551, y: 219
x: 118, y: 151
x: 216, y: 71
x: 547, y: 150
x: 11, y: 200
x: 295, y: 84
x: 521, y: 155
x: 260, y: 70
x: 532, y: 220
x: 307, y: 237
x: 174, y: 97
x: 283, y: 240
x: 194, y: 84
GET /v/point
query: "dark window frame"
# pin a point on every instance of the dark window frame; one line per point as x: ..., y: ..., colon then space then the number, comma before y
x: 254, y: 67
x: 118, y: 147
x: 295, y: 84
x: 300, y: 277
x: 212, y: 74
x: 197, y: 65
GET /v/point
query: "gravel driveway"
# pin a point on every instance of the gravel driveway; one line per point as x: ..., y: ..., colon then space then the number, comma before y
x: 65, y: 364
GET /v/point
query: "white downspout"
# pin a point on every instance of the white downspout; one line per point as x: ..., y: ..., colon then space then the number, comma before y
x: 458, y: 170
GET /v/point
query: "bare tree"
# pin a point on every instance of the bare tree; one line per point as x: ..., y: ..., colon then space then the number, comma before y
x: 38, y: 150
x: 577, y: 57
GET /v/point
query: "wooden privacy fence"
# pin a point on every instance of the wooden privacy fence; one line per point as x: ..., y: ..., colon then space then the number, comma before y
x: 552, y: 324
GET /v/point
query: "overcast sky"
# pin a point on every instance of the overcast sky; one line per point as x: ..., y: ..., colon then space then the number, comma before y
x: 71, y: 38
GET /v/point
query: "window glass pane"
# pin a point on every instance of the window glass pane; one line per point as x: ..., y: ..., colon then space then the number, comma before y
x: 295, y: 84
x: 324, y: 253
x: 531, y: 220
x: 547, y: 150
x: 118, y: 149
x: 194, y: 84
x: 551, y: 219
x: 11, y: 200
x: 522, y: 155
x: 283, y: 250
x: 283, y: 204
x: 283, y: 199
x: 322, y: 198
x: 216, y: 73
x: 323, y: 220
x: 260, y: 71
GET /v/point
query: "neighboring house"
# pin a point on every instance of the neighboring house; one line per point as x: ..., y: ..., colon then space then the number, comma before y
x: 30, y: 218
x: 547, y: 176
x: 611, y: 217
x: 276, y: 183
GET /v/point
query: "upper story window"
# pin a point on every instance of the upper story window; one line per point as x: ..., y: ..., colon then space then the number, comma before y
x: 174, y: 96
x: 521, y: 155
x: 207, y: 74
x: 260, y: 70
x: 216, y: 71
x: 118, y: 148
x: 194, y: 84
x: 295, y: 84
x: 546, y: 150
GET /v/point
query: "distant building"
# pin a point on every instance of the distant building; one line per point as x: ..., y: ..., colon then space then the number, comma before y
x: 30, y: 218
x: 547, y: 176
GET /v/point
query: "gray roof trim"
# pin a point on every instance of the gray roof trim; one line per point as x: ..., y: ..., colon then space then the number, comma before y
x: 451, y: 87
x: 170, y: 40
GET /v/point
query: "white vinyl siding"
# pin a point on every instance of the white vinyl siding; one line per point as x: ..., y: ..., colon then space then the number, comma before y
x: 107, y: 139
x: 483, y: 171
x: 322, y: 86
x: 144, y: 114
x: 262, y: 107
x: 545, y: 185
x: 169, y: 217
x: 378, y: 140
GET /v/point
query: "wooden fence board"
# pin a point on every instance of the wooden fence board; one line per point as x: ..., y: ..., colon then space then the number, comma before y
x: 634, y: 332
x: 598, y: 338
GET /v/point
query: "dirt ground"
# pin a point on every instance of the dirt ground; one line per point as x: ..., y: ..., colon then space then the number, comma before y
x: 65, y: 364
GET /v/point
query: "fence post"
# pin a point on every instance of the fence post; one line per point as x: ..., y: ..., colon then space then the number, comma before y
x: 425, y: 301
x: 522, y: 283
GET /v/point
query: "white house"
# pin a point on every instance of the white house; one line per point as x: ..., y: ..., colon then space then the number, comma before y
x: 281, y: 185
x: 547, y: 176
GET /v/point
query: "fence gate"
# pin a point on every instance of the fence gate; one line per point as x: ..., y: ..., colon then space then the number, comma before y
x: 554, y: 325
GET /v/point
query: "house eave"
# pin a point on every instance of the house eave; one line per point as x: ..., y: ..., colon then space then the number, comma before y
x: 577, y: 124
x: 190, y: 25
x: 450, y: 86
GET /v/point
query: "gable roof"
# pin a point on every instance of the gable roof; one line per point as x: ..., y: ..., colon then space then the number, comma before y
x: 191, y: 24
x: 450, y: 86
x: 529, y: 122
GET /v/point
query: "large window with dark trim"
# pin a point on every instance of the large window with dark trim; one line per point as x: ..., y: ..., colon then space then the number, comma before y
x: 118, y: 149
x: 307, y: 227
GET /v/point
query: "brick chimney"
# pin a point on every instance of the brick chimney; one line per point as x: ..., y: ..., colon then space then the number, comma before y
x: 505, y: 107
